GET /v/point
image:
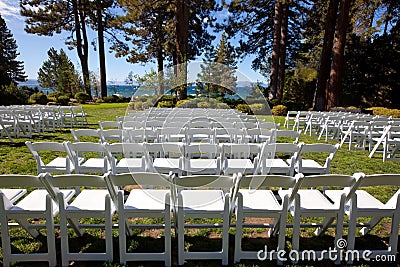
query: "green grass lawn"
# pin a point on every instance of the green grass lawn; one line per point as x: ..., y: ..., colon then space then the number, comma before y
x: 16, y: 158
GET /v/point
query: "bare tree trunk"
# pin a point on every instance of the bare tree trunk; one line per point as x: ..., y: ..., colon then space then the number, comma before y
x: 182, y: 35
x: 282, y: 52
x: 275, y: 51
x: 102, y: 59
x: 160, y: 66
x: 335, y: 90
x: 326, y: 55
x: 82, y: 43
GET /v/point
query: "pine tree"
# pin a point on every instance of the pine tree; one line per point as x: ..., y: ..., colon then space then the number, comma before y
x: 58, y: 73
x: 217, y: 75
x: 11, y: 70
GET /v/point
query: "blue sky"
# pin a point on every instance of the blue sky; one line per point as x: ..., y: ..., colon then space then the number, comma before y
x: 33, y: 51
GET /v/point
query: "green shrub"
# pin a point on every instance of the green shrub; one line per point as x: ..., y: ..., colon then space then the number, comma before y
x: 258, y: 109
x: 381, y: 111
x: 165, y: 104
x: 39, y: 98
x: 99, y: 100
x: 82, y: 97
x: 51, y: 99
x: 244, y: 108
x: 63, y: 100
x: 204, y: 105
x: 111, y: 99
x: 54, y: 94
x: 186, y: 103
x: 222, y: 106
x: 279, y: 110
x: 12, y: 95
x: 138, y: 105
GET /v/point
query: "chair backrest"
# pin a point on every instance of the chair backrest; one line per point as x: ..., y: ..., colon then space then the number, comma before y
x: 240, y: 150
x: 201, y: 149
x: 20, y: 181
x: 113, y: 135
x: 129, y: 150
x: 380, y: 180
x: 110, y: 124
x: 203, y: 181
x: 323, y: 148
x: 88, y: 134
x: 288, y: 134
x: 74, y: 181
x: 327, y: 180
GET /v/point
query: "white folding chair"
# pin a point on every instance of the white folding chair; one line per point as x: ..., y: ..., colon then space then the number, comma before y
x: 5, y: 130
x: 202, y: 158
x: 238, y: 158
x: 254, y: 198
x: 90, y: 203
x: 110, y: 125
x: 272, y: 161
x: 59, y: 162
x: 202, y: 135
x: 67, y: 116
x: 80, y: 117
x: 390, y: 141
x: 286, y: 135
x: 37, y: 204
x: 315, y: 165
x: 165, y: 157
x: 114, y: 135
x: 142, y: 203
x: 93, y: 155
x: 357, y: 133
x: 365, y: 204
x: 126, y: 157
x: 290, y: 116
x: 86, y: 135
x: 202, y: 196
x: 172, y: 134
x: 311, y: 202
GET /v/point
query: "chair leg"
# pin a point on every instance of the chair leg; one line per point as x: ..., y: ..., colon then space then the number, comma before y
x: 51, y: 243
x: 64, y: 238
x: 296, y: 232
x: 325, y: 224
x: 167, y: 236
x: 238, y: 236
x: 181, y: 237
x: 108, y: 230
x: 225, y: 236
x: 5, y: 239
x: 371, y: 224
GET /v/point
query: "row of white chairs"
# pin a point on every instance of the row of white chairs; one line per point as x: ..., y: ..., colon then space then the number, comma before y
x: 186, y: 135
x: 176, y: 199
x: 198, y: 158
x: 23, y: 121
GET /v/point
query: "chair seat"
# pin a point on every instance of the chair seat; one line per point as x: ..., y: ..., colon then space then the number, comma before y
x: 259, y: 201
x: 203, y: 165
x: 239, y: 165
x: 93, y: 162
x: 166, y: 163
x: 146, y: 199
x: 59, y: 162
x: 315, y: 200
x: 36, y: 201
x: 130, y: 163
x: 92, y: 200
x: 203, y: 201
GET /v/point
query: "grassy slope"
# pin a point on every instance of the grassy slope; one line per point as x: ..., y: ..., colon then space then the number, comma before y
x: 15, y: 158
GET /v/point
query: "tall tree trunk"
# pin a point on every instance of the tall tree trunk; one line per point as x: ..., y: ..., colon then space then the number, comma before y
x: 182, y: 34
x: 275, y: 51
x: 160, y: 66
x: 335, y: 89
x: 82, y: 42
x: 326, y: 56
x: 102, y: 57
x: 282, y: 52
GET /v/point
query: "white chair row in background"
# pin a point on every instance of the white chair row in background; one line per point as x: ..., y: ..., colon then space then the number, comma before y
x: 199, y: 158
